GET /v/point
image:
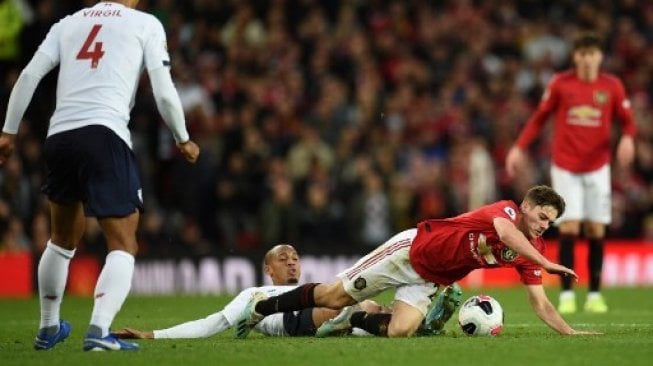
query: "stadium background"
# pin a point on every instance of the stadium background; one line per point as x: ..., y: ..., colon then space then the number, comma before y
x: 329, y: 125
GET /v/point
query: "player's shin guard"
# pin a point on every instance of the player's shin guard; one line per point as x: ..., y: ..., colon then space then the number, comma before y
x: 595, y: 264
x: 297, y: 299
x: 376, y: 323
x: 567, y: 258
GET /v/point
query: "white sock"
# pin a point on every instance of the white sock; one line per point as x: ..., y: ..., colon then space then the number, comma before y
x: 111, y: 289
x: 567, y: 294
x: 593, y: 295
x: 52, y: 276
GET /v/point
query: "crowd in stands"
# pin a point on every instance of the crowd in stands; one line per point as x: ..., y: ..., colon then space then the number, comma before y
x: 333, y: 124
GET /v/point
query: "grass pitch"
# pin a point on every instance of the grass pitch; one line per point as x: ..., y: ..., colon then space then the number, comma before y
x: 525, y: 340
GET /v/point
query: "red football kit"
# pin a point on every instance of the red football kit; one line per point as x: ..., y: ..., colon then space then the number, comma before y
x: 583, y: 113
x: 444, y: 251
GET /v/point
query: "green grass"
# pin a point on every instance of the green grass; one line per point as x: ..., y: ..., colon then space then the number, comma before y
x: 628, y: 338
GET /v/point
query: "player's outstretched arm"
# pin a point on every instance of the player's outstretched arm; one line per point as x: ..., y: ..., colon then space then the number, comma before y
x: 200, y: 328
x: 131, y: 333
x: 517, y: 241
x: 547, y: 312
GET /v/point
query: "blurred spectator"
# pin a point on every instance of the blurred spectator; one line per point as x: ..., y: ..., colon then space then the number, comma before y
x: 280, y: 213
x: 322, y: 220
x: 299, y: 103
x: 13, y: 16
x: 370, y: 213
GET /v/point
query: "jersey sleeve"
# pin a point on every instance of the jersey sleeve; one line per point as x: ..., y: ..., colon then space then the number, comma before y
x: 200, y: 328
x: 623, y: 110
x: 544, y: 109
x: 155, y: 47
x: 50, y: 45
x: 505, y: 209
x: 529, y: 273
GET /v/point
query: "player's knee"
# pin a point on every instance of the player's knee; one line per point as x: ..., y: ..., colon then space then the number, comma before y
x: 571, y: 228
x: 594, y: 231
x: 130, y: 247
x: 397, y: 329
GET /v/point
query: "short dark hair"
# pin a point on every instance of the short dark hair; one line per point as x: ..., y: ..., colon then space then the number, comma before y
x: 588, y: 40
x: 275, y: 251
x: 545, y: 196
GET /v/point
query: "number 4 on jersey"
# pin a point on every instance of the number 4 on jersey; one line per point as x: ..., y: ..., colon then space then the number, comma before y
x: 85, y: 52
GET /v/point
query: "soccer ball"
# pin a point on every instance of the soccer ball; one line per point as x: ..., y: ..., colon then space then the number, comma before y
x: 481, y: 315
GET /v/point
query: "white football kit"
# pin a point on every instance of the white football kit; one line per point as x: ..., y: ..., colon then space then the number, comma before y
x: 101, y: 51
x: 588, y: 195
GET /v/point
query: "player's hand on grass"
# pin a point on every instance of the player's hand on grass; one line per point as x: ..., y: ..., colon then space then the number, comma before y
x: 555, y: 268
x: 585, y: 332
x: 131, y: 333
x: 190, y: 150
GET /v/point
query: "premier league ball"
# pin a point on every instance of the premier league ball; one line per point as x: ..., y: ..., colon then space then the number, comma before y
x: 481, y: 315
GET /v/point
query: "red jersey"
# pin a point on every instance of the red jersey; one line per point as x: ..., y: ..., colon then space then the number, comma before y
x: 583, y: 113
x: 444, y: 251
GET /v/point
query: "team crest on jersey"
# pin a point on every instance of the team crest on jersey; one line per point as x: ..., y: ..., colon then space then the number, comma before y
x: 510, y: 212
x: 600, y: 97
x: 360, y: 283
x: 508, y: 255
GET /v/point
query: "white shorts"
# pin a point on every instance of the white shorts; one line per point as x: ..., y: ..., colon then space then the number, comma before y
x: 388, y: 266
x: 587, y: 195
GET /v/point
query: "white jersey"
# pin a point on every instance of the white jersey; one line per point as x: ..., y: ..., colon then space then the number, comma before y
x: 101, y: 52
x: 226, y: 318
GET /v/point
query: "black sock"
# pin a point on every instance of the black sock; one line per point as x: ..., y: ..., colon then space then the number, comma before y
x: 297, y: 299
x: 567, y: 258
x: 595, y: 263
x: 376, y: 323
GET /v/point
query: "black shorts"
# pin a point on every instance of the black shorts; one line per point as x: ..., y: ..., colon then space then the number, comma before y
x: 92, y: 165
x: 299, y: 323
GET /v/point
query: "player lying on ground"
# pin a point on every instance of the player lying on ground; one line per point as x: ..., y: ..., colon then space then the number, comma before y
x: 436, y: 253
x: 282, y: 265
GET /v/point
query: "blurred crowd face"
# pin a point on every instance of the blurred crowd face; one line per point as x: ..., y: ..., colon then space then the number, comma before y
x: 588, y: 61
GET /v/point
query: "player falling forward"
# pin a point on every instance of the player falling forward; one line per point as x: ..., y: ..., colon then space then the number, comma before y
x: 91, y: 168
x: 583, y: 102
x: 282, y: 265
x: 437, y: 252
